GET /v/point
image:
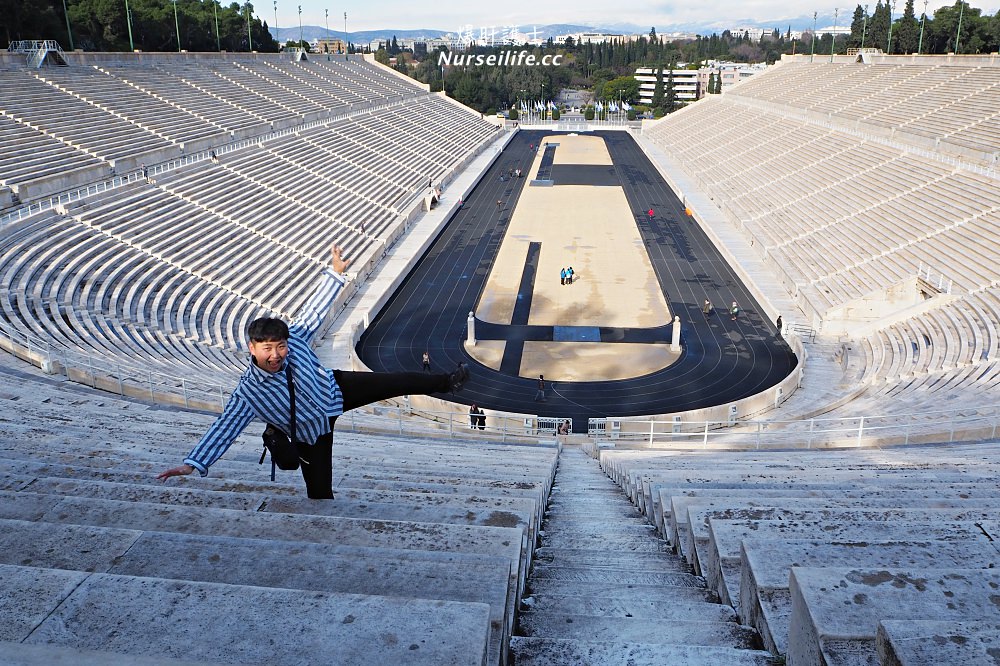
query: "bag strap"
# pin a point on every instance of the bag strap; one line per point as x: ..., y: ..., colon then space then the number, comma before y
x: 291, y: 425
x: 291, y: 399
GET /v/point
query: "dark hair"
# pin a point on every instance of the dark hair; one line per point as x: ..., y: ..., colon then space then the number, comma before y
x: 267, y: 329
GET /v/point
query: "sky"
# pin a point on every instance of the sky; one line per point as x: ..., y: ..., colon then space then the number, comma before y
x: 451, y: 16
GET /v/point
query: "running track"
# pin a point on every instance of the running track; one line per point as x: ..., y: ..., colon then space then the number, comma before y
x: 722, y: 361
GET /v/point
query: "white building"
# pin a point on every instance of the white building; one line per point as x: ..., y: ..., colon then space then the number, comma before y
x: 592, y: 37
x: 686, y: 84
x: 691, y: 85
x: 730, y: 73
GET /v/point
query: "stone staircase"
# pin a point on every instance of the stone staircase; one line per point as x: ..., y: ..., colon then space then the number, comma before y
x: 604, y: 588
x: 854, y: 557
x: 420, y: 559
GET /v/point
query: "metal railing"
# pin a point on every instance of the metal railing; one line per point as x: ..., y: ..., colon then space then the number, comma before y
x: 25, y: 211
x: 32, y: 45
x: 968, y: 424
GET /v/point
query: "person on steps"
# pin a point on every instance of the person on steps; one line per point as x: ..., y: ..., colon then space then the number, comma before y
x: 321, y: 394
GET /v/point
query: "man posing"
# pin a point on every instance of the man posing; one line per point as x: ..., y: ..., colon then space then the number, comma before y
x: 321, y: 394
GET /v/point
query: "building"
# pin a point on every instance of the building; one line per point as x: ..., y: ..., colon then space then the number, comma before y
x: 686, y: 84
x: 592, y: 37
x: 730, y: 73
x: 329, y: 46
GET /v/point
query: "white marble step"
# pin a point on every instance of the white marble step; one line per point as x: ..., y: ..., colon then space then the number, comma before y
x: 236, y: 624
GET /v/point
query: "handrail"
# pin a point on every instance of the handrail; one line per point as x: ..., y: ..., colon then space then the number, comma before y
x: 32, y: 45
x: 116, y: 181
x: 968, y: 424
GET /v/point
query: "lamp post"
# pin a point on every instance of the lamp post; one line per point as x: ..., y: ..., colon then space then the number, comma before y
x: 833, y: 40
x: 892, y: 10
x: 69, y: 31
x: 812, y: 52
x: 346, y: 50
x: 249, y: 33
x: 958, y: 33
x: 923, y: 20
x: 128, y: 21
x: 218, y: 39
x: 177, y: 27
x: 277, y: 33
x: 864, y: 28
x: 300, y: 28
x: 326, y: 17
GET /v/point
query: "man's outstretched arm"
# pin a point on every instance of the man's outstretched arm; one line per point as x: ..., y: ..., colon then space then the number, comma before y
x: 234, y: 419
x: 312, y: 314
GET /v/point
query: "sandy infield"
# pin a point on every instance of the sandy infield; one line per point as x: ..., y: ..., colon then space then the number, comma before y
x: 592, y: 229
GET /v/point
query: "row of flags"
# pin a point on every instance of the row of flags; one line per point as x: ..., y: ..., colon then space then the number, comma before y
x: 612, y: 107
x: 537, y: 106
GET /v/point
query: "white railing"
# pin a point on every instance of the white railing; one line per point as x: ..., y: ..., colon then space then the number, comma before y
x: 98, y: 372
x: 32, y: 45
x: 970, y: 424
x: 959, y: 425
x: 27, y: 210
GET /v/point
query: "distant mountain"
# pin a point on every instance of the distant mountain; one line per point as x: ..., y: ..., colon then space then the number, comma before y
x: 313, y: 32
x: 796, y: 23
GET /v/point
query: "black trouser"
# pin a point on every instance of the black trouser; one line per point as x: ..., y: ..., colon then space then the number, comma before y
x: 359, y: 389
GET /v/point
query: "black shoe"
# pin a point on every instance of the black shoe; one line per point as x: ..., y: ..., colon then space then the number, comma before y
x: 457, y: 379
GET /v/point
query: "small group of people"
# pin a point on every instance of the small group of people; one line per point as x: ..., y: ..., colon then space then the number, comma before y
x: 566, y: 275
x: 707, y: 309
x: 477, y: 417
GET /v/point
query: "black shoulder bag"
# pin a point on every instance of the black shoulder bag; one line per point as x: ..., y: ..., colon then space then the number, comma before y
x: 284, y: 451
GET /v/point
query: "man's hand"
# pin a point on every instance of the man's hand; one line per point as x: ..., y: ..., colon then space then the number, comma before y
x: 183, y: 470
x: 339, y: 263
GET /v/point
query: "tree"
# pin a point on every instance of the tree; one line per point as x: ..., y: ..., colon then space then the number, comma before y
x: 859, y: 28
x: 711, y: 83
x: 382, y: 56
x: 878, y: 26
x: 658, y: 89
x: 992, y: 33
x: 621, y: 88
x: 940, y: 34
x: 670, y: 94
x: 907, y: 31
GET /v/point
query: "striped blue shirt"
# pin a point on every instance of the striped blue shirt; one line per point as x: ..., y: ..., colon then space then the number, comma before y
x: 264, y: 395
